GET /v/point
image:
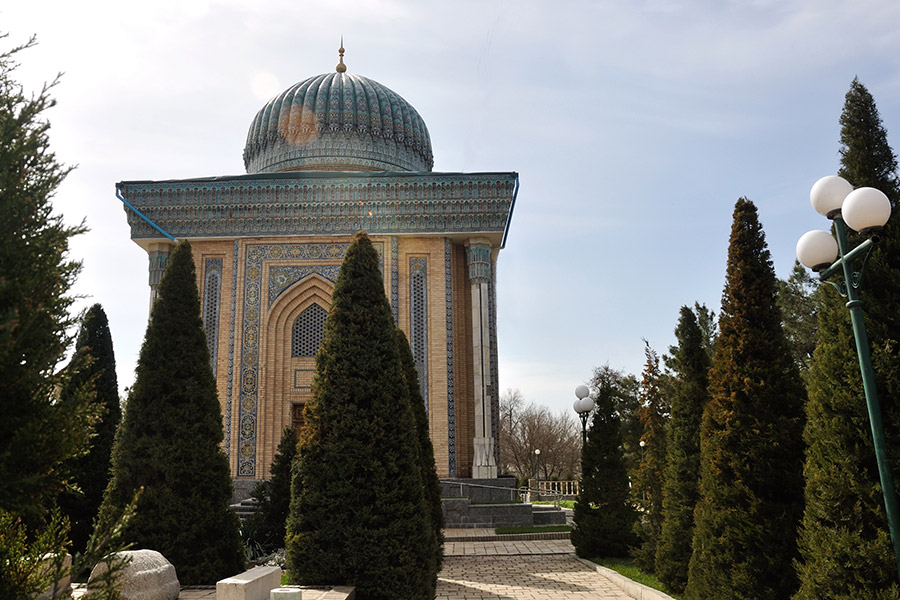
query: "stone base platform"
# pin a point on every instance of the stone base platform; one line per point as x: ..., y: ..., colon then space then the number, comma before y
x: 208, y: 592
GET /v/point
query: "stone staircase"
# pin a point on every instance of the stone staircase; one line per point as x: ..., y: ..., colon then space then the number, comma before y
x: 245, y: 508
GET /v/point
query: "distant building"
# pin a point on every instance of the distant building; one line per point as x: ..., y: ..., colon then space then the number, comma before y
x: 330, y: 156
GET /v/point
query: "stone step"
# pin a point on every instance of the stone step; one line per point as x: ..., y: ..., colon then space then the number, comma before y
x: 245, y: 508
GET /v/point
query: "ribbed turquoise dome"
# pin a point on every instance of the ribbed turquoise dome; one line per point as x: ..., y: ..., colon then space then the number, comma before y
x: 338, y: 121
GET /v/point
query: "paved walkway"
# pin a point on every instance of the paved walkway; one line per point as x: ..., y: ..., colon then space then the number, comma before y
x: 503, y: 570
x: 520, y: 570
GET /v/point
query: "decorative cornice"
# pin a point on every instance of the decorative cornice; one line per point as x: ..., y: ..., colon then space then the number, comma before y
x: 316, y: 203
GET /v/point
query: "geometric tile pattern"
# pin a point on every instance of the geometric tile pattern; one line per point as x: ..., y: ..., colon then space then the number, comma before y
x: 418, y: 320
x: 307, y: 332
x: 234, y: 271
x: 211, y: 296
x: 395, y: 283
x: 283, y: 277
x: 451, y: 408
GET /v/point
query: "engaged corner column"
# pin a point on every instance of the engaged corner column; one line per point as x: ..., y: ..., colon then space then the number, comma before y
x: 159, y: 256
x: 478, y: 254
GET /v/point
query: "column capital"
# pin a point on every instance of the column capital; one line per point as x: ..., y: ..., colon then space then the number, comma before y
x: 478, y: 258
x: 158, y: 253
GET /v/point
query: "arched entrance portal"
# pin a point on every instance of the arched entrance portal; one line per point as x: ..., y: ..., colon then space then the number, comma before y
x: 296, y: 327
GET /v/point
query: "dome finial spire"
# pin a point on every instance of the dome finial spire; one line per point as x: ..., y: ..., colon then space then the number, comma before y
x: 341, y: 67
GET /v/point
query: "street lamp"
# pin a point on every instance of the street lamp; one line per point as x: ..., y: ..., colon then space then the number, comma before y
x: 537, y: 471
x: 583, y: 406
x: 865, y: 210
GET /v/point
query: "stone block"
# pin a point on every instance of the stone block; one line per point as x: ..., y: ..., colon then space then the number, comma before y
x: 548, y: 515
x: 286, y: 593
x: 254, y: 584
x: 148, y: 576
x: 63, y: 585
x: 500, y: 489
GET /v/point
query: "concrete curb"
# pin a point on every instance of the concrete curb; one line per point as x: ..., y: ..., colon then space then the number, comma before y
x: 636, y: 590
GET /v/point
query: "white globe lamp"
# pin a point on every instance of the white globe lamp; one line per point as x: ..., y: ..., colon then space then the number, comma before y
x: 827, y: 195
x: 817, y: 249
x: 866, y: 209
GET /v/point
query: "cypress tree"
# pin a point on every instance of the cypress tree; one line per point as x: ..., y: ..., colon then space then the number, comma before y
x: 169, y: 441
x: 431, y: 485
x: 266, y: 526
x: 690, y: 368
x: 41, y: 432
x: 648, y: 478
x: 358, y: 514
x: 750, y: 452
x: 797, y: 301
x: 604, y: 516
x: 709, y: 329
x: 91, y: 471
x: 38, y: 434
x: 844, y: 540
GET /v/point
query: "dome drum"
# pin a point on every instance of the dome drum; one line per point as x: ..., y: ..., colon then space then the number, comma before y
x: 339, y: 151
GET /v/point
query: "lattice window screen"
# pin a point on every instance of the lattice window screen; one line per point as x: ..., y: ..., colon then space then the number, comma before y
x: 211, y: 295
x: 308, y: 331
x: 418, y: 320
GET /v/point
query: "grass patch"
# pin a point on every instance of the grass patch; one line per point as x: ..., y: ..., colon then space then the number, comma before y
x: 562, y: 503
x: 626, y: 567
x: 533, y: 529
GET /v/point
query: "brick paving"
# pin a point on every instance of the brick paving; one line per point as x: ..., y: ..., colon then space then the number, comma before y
x: 520, y: 570
x: 517, y: 569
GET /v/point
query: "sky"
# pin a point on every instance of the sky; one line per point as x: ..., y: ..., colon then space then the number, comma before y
x: 634, y: 127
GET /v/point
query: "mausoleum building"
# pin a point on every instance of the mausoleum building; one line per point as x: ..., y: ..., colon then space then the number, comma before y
x: 332, y: 155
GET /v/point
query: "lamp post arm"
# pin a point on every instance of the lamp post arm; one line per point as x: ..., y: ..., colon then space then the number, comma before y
x: 850, y: 257
x: 868, y: 376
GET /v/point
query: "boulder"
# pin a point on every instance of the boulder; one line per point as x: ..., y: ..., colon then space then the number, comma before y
x: 148, y: 576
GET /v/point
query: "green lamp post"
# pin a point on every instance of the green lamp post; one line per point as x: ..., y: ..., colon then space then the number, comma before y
x: 865, y: 210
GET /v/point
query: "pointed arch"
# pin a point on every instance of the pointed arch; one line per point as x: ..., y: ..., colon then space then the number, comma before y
x: 285, y: 381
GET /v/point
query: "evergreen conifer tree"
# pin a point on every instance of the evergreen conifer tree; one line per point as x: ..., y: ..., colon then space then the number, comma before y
x: 647, y: 487
x: 91, y: 470
x: 168, y: 442
x: 41, y: 432
x: 266, y: 526
x: 431, y: 485
x: 604, y: 516
x: 38, y: 434
x: 844, y: 541
x: 709, y: 329
x: 797, y: 300
x: 358, y: 513
x: 751, y: 455
x: 689, y: 363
